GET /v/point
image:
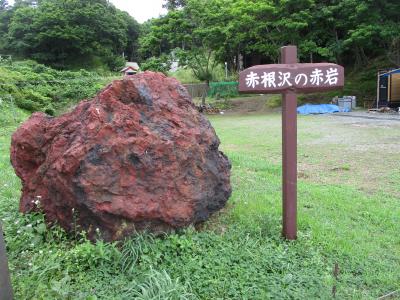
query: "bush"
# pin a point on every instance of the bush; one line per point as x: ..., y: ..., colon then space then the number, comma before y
x: 36, y: 87
x: 157, y: 64
x: 184, y: 75
x: 274, y: 101
x: 223, y: 89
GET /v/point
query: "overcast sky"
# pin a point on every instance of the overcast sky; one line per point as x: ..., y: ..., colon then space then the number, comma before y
x: 141, y: 10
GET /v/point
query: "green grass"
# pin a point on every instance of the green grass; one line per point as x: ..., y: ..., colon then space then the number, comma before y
x: 238, y: 254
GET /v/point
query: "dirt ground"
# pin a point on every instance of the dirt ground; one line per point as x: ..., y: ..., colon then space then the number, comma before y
x: 358, y: 148
x: 250, y: 105
x: 354, y: 149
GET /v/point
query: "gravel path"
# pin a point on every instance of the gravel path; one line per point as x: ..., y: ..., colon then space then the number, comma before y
x: 371, y: 115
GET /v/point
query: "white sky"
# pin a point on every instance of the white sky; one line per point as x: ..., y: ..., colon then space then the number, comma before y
x: 141, y: 10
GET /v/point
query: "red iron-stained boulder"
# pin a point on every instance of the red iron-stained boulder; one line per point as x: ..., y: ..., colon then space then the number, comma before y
x: 136, y: 157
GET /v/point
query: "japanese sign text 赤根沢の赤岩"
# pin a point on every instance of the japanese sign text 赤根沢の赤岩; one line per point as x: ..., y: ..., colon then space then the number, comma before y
x: 299, y: 77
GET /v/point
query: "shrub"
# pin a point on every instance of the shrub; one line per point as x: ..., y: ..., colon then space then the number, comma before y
x: 36, y: 87
x: 157, y: 64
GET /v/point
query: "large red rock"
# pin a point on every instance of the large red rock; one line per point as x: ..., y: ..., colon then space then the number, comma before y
x: 138, y: 156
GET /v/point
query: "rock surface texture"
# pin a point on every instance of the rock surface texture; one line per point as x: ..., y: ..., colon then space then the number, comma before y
x: 138, y: 156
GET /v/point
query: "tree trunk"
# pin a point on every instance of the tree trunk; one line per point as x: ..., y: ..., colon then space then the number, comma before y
x: 203, y: 99
x: 337, y: 55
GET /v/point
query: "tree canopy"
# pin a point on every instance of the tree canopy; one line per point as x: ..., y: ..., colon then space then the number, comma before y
x: 63, y: 33
x: 345, y: 31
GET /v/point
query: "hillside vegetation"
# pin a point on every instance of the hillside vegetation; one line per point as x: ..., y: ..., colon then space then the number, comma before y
x: 35, y: 87
x: 68, y: 34
x: 202, y: 33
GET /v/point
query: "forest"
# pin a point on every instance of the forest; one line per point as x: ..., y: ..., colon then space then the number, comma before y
x: 92, y: 33
x: 70, y: 34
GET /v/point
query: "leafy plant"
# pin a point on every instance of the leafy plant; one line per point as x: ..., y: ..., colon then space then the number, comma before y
x: 157, y: 64
x: 35, y: 87
x: 133, y: 250
x: 159, y: 285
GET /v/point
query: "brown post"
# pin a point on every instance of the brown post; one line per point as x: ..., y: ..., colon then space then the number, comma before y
x: 288, y: 78
x: 289, y: 151
x: 5, y: 284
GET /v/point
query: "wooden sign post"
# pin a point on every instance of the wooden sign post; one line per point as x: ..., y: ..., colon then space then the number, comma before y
x: 5, y: 284
x: 288, y: 79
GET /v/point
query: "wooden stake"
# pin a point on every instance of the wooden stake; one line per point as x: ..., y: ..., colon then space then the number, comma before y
x: 5, y: 283
x: 289, y: 151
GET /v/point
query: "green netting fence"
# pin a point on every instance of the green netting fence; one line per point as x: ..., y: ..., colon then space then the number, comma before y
x: 223, y: 89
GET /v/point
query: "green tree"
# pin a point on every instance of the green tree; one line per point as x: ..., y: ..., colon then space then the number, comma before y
x: 72, y: 32
x: 350, y: 32
x: 201, y: 61
x: 174, y: 4
x: 5, y: 16
x: 132, y: 34
x: 160, y: 63
x: 193, y: 32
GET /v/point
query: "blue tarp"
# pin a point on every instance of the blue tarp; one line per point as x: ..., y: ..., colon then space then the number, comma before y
x: 308, y: 109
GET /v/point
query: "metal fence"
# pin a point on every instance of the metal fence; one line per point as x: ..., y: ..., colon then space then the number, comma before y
x: 215, y: 90
x: 224, y: 89
x: 196, y: 90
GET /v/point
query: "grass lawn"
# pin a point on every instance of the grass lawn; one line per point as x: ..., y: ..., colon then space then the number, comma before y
x: 349, y: 215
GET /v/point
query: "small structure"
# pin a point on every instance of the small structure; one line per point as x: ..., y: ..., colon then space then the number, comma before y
x: 131, y: 68
x: 345, y: 103
x: 388, y: 88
